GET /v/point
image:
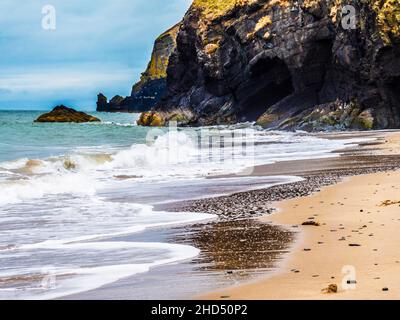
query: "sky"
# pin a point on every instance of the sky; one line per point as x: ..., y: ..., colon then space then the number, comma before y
x: 96, y: 46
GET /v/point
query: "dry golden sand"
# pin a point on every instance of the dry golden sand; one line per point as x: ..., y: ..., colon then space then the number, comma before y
x: 350, y: 213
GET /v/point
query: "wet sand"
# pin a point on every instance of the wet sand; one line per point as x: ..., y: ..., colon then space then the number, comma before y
x: 232, y: 252
x: 250, y: 247
x: 316, y: 173
x: 350, y: 242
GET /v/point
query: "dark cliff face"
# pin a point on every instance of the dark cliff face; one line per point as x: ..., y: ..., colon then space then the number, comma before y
x: 151, y: 87
x: 287, y: 64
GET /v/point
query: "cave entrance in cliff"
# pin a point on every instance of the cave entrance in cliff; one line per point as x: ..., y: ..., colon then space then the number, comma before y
x: 270, y: 81
x: 394, y: 96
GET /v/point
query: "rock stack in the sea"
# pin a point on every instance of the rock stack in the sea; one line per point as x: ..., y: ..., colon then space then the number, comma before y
x: 287, y: 64
x: 65, y: 114
x: 151, y: 87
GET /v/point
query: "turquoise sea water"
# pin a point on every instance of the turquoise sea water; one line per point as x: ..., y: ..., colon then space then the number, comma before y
x: 22, y: 138
x: 68, y: 190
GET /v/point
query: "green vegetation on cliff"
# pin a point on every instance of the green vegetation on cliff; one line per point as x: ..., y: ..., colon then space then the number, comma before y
x: 388, y: 11
x: 215, y: 8
x: 157, y: 67
x: 388, y: 18
x: 159, y: 60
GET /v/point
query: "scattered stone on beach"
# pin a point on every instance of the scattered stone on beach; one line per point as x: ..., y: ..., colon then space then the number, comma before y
x: 307, y: 249
x: 387, y: 203
x: 239, y: 206
x: 354, y: 245
x: 236, y: 206
x: 65, y: 114
x: 311, y: 223
x: 332, y: 288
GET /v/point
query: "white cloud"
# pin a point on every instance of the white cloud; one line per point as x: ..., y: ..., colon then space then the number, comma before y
x: 97, y: 46
x: 60, y: 79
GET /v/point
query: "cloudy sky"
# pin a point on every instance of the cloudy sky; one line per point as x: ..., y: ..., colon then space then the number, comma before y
x: 97, y: 46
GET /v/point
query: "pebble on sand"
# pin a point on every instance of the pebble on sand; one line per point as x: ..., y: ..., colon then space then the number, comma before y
x: 332, y: 288
x: 311, y: 223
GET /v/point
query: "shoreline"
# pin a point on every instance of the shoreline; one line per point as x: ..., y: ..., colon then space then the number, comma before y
x: 353, y: 236
x: 313, y: 174
x: 261, y: 250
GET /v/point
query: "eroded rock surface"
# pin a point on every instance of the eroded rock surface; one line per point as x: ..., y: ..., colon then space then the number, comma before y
x: 287, y: 64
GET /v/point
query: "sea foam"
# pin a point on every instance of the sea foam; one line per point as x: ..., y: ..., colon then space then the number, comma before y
x: 62, y: 211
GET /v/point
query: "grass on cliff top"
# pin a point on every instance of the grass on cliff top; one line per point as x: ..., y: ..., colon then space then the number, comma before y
x: 157, y: 67
x: 215, y: 8
x: 388, y: 11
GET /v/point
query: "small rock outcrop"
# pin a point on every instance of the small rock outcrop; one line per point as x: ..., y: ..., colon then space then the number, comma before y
x: 151, y: 87
x: 159, y: 119
x: 151, y: 119
x: 65, y: 114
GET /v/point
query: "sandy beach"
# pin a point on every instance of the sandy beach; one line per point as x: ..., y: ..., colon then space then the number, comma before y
x: 350, y: 244
x: 258, y: 248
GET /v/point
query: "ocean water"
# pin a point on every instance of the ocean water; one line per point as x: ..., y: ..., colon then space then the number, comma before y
x: 66, y: 190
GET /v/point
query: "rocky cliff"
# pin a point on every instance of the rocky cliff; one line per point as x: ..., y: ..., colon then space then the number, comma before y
x: 286, y: 64
x: 151, y: 87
